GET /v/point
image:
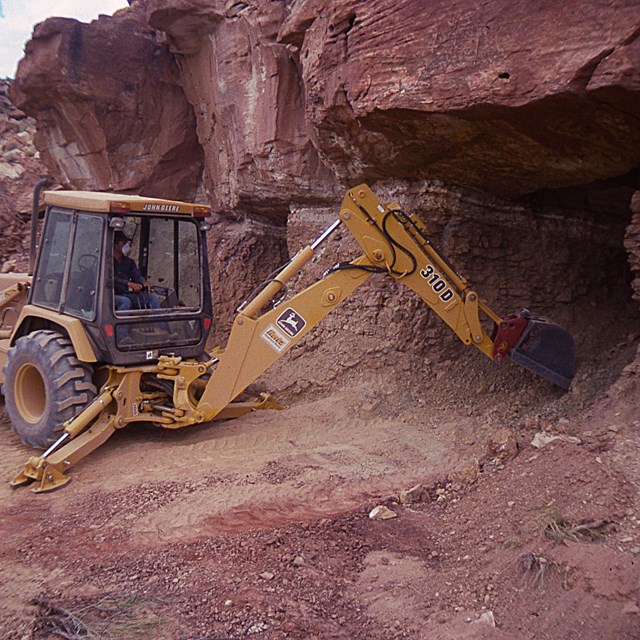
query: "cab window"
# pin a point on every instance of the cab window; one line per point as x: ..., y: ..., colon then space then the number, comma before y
x: 166, y: 252
x: 174, y: 260
x: 47, y: 285
x: 84, y: 269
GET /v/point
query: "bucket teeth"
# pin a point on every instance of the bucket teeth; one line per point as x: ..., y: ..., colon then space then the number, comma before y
x: 547, y: 350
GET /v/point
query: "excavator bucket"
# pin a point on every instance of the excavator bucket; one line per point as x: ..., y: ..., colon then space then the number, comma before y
x: 547, y: 350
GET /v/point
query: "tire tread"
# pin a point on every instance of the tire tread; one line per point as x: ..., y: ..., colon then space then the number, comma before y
x: 68, y: 383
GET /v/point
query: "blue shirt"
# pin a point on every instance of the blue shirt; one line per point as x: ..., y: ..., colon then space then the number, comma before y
x: 125, y: 271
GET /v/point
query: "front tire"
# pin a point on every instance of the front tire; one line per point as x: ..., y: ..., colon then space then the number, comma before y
x: 44, y: 386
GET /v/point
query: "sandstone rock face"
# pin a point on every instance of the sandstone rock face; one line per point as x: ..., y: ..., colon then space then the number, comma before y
x: 246, y: 92
x: 514, y: 130
x: 110, y: 109
x: 503, y: 96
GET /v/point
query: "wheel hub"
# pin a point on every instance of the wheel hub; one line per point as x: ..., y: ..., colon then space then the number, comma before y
x: 30, y: 393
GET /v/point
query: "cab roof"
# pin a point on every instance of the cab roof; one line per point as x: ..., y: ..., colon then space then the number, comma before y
x: 122, y: 203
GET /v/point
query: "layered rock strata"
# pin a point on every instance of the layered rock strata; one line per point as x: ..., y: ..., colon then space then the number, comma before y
x: 513, y: 129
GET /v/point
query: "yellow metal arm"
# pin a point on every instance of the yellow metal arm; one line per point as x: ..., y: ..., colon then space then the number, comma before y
x: 256, y: 343
x: 398, y: 243
x: 48, y: 470
x: 393, y: 243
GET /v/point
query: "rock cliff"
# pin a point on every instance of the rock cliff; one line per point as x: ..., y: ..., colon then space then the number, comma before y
x: 512, y: 127
x: 515, y: 130
x: 20, y: 170
x: 503, y: 96
x: 110, y: 109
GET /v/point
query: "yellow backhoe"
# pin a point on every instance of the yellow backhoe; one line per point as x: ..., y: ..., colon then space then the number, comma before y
x: 86, y: 350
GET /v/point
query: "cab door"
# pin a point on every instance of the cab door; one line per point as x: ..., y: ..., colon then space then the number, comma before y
x: 67, y: 274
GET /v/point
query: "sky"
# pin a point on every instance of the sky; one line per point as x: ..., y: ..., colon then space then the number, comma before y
x: 18, y: 17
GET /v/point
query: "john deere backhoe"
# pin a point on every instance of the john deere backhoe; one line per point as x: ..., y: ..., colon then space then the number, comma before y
x: 75, y: 369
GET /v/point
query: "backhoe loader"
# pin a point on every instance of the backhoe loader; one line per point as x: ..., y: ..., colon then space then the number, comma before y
x: 77, y: 366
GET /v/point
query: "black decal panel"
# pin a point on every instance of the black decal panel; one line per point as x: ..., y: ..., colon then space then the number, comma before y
x: 291, y: 322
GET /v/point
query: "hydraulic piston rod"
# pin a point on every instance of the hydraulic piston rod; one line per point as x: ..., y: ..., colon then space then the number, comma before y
x: 291, y: 269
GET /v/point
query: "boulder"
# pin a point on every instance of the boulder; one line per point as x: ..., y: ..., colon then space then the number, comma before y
x: 110, y: 108
x: 246, y: 91
x: 501, y: 96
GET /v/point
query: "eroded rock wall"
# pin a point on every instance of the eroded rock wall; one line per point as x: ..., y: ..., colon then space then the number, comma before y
x: 514, y: 129
x: 110, y: 109
x: 502, y: 97
x: 243, y: 251
x: 508, y: 97
x: 246, y: 91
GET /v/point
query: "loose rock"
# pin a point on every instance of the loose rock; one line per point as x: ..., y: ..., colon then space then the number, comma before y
x: 487, y: 618
x: 541, y: 439
x: 502, y: 445
x: 415, y: 494
x: 382, y: 513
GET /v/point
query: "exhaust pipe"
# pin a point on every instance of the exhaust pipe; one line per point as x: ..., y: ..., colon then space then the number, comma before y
x: 41, y: 184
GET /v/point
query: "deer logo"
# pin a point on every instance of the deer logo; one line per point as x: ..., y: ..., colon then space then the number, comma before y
x: 291, y: 322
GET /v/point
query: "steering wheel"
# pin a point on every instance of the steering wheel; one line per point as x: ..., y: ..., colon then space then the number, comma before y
x: 87, y: 261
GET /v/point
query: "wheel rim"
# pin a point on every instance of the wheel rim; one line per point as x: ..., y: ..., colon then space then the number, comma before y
x: 30, y: 393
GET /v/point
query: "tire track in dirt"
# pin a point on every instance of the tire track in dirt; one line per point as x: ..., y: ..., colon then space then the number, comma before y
x: 257, y: 507
x: 299, y: 476
x: 266, y: 469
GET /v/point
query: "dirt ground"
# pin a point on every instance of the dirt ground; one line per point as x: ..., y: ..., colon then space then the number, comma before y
x: 260, y: 527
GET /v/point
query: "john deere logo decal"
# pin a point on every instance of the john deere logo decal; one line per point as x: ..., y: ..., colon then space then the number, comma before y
x: 291, y: 322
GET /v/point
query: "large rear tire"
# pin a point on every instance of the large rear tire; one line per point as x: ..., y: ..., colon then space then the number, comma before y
x: 44, y: 385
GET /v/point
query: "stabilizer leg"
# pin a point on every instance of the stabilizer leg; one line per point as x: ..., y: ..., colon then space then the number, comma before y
x: 50, y: 470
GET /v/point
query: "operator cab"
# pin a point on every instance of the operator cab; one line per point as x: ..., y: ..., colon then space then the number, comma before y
x: 75, y: 273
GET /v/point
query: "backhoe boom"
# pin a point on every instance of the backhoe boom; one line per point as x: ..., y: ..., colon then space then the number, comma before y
x: 393, y: 243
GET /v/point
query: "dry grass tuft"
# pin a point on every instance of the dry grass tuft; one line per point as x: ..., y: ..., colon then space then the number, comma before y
x: 60, y: 623
x: 537, y: 568
x: 109, y: 618
x: 559, y: 529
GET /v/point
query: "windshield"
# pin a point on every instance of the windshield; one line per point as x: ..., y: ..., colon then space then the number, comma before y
x: 163, y: 257
x: 156, y: 273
